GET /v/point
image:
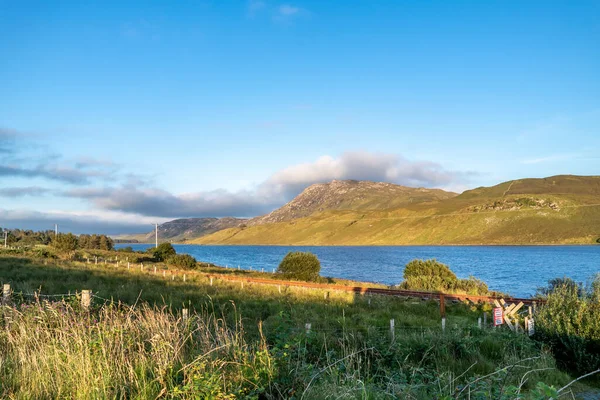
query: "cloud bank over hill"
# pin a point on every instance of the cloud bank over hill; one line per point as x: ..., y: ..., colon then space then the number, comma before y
x: 121, y: 200
x: 278, y: 189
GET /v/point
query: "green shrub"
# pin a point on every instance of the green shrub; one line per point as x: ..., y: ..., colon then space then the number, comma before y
x: 163, y: 251
x: 184, y: 261
x: 127, y: 249
x: 299, y: 265
x: 569, y: 322
x: 65, y: 243
x: 431, y: 275
x: 472, y: 286
x: 428, y: 275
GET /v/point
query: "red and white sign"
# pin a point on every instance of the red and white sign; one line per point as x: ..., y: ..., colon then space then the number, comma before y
x: 498, y: 316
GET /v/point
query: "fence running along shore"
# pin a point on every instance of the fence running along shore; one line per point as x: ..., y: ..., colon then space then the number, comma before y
x: 510, y: 305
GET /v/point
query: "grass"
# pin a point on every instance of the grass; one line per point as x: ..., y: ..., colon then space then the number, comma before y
x: 244, y: 343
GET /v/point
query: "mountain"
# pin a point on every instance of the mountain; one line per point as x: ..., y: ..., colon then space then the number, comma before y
x: 554, y: 210
x: 350, y: 195
x: 187, y: 228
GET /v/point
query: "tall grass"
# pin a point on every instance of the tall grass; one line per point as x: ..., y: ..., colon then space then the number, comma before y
x: 57, y: 350
x: 245, y: 343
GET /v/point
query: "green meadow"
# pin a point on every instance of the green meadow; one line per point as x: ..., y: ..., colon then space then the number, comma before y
x: 251, y: 342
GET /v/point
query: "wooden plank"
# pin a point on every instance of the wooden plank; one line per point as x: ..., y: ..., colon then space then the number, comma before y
x: 509, y: 323
x: 508, y: 310
x: 497, y: 303
x: 517, y: 308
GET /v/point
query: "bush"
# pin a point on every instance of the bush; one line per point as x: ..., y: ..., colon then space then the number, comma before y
x: 163, y: 251
x: 65, y: 243
x: 299, y: 265
x: 569, y: 322
x: 184, y: 261
x: 431, y: 275
x: 428, y: 275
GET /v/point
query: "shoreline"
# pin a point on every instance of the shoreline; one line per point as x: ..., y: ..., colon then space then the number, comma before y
x: 376, y: 245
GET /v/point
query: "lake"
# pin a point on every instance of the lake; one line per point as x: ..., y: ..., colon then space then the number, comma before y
x: 517, y: 270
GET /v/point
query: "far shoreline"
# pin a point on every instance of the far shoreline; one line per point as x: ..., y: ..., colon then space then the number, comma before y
x: 374, y: 245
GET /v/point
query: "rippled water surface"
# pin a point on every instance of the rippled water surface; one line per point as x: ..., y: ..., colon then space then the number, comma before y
x: 517, y: 270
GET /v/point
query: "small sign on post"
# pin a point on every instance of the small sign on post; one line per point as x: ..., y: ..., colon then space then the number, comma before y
x: 498, y: 316
x: 530, y: 327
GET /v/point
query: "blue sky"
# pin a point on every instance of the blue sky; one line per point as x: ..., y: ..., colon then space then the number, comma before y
x: 115, y: 114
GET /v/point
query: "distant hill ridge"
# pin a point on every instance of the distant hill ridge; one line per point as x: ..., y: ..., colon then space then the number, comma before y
x: 555, y: 210
x: 187, y: 228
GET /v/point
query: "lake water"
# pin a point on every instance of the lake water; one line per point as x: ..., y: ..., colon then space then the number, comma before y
x: 517, y: 270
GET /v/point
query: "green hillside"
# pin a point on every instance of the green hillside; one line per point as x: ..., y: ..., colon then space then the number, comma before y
x: 554, y: 210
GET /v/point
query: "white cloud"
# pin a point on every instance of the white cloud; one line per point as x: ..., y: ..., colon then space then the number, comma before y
x: 97, y: 221
x: 274, y: 191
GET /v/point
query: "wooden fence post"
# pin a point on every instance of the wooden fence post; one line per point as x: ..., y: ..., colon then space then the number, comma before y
x: 211, y: 281
x: 479, y: 322
x: 185, y: 314
x: 184, y: 277
x: 279, y: 288
x: 128, y: 267
x: 392, y: 329
x: 307, y: 326
x: 155, y: 270
x: 5, y: 293
x: 443, y: 311
x: 164, y: 273
x: 96, y: 257
x: 86, y: 298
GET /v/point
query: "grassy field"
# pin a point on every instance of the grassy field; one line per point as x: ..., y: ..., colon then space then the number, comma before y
x: 557, y: 210
x: 246, y: 342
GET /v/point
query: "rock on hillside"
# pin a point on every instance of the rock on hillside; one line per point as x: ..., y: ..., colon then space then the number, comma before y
x: 350, y: 195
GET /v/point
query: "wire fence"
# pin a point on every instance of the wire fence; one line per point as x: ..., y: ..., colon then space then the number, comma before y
x: 10, y: 299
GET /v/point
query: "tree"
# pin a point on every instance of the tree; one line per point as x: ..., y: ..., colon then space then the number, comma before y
x: 301, y: 266
x: 65, y: 243
x: 106, y: 243
x: 163, y: 251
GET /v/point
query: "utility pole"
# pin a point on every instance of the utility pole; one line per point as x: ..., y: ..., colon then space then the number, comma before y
x: 156, y: 234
